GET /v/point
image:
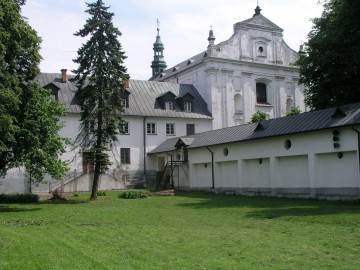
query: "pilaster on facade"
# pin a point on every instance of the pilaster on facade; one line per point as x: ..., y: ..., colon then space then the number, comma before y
x: 246, y: 74
x: 279, y: 78
x: 211, y: 70
x: 295, y: 80
x: 227, y: 71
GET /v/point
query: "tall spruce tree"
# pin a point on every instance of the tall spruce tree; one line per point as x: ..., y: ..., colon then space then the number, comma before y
x: 330, y: 68
x: 29, y: 121
x: 99, y: 80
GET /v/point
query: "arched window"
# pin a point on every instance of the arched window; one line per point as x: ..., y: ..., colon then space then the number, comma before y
x: 261, y: 93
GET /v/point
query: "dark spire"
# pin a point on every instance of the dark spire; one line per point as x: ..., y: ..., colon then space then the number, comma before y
x: 158, y: 64
x: 211, y: 37
x: 257, y: 11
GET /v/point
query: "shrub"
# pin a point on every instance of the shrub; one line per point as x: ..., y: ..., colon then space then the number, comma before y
x: 19, y: 198
x: 293, y: 111
x: 76, y: 194
x: 101, y: 193
x: 134, y: 194
x: 258, y: 117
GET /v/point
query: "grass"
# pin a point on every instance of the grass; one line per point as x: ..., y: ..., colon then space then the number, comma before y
x: 186, y: 231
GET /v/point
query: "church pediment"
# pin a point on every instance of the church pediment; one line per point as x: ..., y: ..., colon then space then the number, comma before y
x: 257, y: 22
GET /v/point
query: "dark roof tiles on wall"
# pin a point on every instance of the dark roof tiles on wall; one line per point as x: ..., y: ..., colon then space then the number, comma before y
x: 305, y: 122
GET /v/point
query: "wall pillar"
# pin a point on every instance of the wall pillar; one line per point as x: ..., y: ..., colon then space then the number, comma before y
x: 274, y: 174
x: 312, y: 165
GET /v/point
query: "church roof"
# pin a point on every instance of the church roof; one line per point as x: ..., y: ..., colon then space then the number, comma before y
x: 188, y: 63
x: 142, y: 97
x: 258, y: 22
x: 346, y: 115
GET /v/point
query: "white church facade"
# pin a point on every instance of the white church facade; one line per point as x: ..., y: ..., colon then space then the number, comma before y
x: 251, y: 71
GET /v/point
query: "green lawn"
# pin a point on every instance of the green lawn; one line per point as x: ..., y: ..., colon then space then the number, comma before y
x: 186, y: 231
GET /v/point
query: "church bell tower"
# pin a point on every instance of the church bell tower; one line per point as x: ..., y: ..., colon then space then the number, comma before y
x: 158, y: 64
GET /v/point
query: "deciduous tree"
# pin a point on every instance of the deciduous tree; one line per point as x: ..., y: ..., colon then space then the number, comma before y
x: 99, y: 80
x: 29, y: 121
x: 330, y: 68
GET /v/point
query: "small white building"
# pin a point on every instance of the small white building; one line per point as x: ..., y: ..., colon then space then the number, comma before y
x: 155, y: 111
x: 314, y: 154
x: 251, y: 71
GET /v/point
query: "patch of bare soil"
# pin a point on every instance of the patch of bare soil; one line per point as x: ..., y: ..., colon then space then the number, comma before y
x: 167, y: 192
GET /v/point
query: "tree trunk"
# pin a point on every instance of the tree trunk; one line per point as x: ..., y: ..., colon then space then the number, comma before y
x: 96, y: 177
x: 98, y: 161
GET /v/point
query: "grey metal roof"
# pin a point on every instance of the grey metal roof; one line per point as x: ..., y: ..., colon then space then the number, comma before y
x: 188, y: 63
x: 142, y: 99
x: 346, y: 115
x: 66, y: 91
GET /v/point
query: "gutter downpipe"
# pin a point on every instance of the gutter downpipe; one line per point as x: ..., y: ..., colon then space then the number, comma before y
x: 212, y: 168
x: 358, y: 135
x: 144, y: 146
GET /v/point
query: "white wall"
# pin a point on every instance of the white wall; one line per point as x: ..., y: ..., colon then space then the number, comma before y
x: 16, y: 181
x: 310, y: 167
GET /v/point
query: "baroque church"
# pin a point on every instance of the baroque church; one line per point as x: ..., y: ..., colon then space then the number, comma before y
x: 254, y: 70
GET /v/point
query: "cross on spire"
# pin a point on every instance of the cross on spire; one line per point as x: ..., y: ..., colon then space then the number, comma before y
x: 211, y: 27
x: 158, y: 24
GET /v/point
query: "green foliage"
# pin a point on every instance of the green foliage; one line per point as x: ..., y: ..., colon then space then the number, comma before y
x: 258, y: 117
x: 99, y: 85
x: 330, y: 68
x: 76, y: 194
x: 293, y: 111
x: 29, y: 121
x: 101, y: 193
x: 134, y: 194
x: 19, y: 198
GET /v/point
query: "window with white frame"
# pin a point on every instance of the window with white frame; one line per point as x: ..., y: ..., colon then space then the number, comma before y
x: 124, y: 129
x: 151, y: 128
x: 170, y: 129
x: 187, y: 106
x: 169, y: 105
x: 125, y: 155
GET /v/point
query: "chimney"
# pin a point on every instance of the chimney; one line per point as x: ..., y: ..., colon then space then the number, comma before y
x: 63, y: 75
x: 125, y: 82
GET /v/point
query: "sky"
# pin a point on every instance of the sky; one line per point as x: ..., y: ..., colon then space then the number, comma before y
x: 184, y: 27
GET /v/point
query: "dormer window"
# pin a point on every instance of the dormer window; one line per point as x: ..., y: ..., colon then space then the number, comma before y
x: 169, y: 105
x: 187, y: 106
x: 125, y: 99
x: 124, y: 103
x: 54, y: 91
